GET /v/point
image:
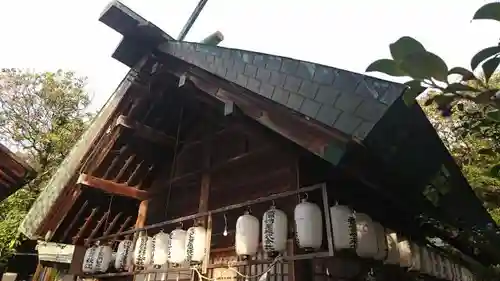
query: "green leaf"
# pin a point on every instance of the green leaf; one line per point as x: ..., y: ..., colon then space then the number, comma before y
x: 489, y: 11
x: 429, y: 101
x: 495, y: 171
x: 482, y: 55
x: 494, y: 115
x: 466, y: 74
x: 484, y: 97
x: 486, y: 151
x: 411, y: 93
x: 386, y: 66
x: 404, y: 46
x: 444, y: 100
x: 424, y: 65
x: 457, y: 87
x: 489, y: 67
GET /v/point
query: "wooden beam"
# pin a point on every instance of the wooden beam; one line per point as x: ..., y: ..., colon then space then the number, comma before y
x: 9, y: 179
x: 140, y: 222
x: 205, y: 177
x: 18, y: 165
x: 145, y: 132
x: 142, y: 214
x: 112, y: 187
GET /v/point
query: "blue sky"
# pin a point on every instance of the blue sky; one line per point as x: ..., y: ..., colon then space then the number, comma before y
x: 52, y: 34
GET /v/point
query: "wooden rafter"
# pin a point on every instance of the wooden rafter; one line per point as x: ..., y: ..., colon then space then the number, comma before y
x: 112, y: 224
x: 124, y: 168
x: 85, y: 225
x: 145, y: 132
x: 97, y: 227
x: 112, y: 187
x: 102, y: 153
x: 116, y: 160
x: 74, y: 220
x: 123, y: 226
x: 134, y: 173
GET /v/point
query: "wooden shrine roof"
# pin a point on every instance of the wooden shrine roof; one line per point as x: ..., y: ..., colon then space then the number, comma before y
x: 348, y: 120
x: 14, y: 172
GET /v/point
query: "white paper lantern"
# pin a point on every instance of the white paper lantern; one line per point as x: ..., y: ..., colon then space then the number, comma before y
x: 308, y: 225
x: 405, y: 254
x: 442, y: 267
x: 344, y: 227
x: 437, y: 264
x: 453, y: 271
x: 466, y: 274
x: 196, y: 244
x: 176, y: 251
x: 381, y: 241
x: 449, y: 269
x: 274, y: 231
x: 160, y: 244
x: 426, y: 262
x: 392, y: 247
x: 458, y: 272
x: 436, y: 261
x: 89, y: 259
x: 123, y: 259
x: 104, y: 254
x: 143, y: 251
x: 247, y: 235
x: 416, y: 260
x: 366, y: 244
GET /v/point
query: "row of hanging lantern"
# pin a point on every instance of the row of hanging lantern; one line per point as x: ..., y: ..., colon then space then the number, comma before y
x: 177, y: 247
x: 357, y: 232
x: 308, y: 230
x: 180, y: 245
x: 352, y: 231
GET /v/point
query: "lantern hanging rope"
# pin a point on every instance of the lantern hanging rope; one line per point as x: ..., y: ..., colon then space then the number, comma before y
x: 174, y: 159
x: 225, y: 225
x: 109, y: 211
x: 230, y: 268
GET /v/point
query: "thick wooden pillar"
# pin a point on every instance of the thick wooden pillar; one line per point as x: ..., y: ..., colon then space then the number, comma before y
x: 205, y: 195
x: 205, y: 177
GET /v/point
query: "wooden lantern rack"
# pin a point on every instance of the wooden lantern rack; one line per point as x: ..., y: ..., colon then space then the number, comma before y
x: 205, y: 265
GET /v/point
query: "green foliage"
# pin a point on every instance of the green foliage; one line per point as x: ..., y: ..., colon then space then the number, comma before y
x: 410, y: 58
x: 474, y: 150
x: 41, y: 115
x: 430, y: 74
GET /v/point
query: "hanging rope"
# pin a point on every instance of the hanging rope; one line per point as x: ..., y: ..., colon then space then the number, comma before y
x: 109, y: 212
x: 247, y: 277
x: 174, y: 160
